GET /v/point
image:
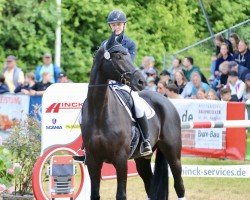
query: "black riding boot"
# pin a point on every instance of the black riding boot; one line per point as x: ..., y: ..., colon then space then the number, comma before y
x: 145, y: 146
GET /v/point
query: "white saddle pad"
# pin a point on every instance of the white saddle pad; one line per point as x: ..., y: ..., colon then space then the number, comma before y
x: 149, y: 111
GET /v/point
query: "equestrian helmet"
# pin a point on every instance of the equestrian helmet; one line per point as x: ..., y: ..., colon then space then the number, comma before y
x: 116, y: 16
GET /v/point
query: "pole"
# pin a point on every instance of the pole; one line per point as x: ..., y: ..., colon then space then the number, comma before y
x: 206, y: 18
x: 58, y: 35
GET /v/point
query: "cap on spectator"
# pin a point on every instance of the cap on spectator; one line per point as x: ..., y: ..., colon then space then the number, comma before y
x: 247, y: 77
x: 232, y: 64
x: 61, y: 74
x: 150, y: 79
x: 164, y: 73
x: 47, y: 55
x: 10, y: 58
x: 151, y: 71
x: 232, y: 73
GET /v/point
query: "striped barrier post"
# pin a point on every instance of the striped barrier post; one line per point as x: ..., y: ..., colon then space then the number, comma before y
x: 218, y: 124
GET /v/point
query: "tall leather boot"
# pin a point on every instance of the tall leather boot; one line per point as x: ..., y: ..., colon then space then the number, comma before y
x: 145, y: 146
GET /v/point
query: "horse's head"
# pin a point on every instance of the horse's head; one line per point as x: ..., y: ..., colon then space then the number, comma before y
x: 117, y: 64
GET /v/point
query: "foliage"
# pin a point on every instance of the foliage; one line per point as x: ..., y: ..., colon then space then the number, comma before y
x: 158, y: 28
x: 24, y: 143
x: 5, y: 176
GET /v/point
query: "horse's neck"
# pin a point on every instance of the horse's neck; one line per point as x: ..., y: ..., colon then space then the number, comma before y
x: 98, y: 97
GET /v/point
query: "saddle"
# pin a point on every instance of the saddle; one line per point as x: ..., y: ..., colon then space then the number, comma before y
x: 127, y: 101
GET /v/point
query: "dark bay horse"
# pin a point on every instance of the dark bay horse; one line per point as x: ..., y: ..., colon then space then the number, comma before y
x: 107, y: 127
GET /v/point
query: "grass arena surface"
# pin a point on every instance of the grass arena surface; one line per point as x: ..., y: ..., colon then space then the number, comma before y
x: 196, y: 188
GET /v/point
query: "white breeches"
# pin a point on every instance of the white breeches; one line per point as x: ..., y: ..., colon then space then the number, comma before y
x: 139, y: 103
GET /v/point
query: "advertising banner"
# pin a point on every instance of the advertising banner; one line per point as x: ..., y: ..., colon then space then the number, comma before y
x: 205, y: 110
x: 12, y: 107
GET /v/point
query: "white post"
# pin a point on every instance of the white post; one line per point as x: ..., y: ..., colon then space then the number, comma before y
x: 58, y: 35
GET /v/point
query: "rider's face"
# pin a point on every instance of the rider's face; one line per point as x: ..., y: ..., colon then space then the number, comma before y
x: 117, y: 27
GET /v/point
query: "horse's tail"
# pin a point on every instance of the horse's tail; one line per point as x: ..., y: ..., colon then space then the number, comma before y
x: 159, y: 183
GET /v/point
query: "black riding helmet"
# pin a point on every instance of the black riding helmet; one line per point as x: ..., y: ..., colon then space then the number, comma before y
x: 116, y: 16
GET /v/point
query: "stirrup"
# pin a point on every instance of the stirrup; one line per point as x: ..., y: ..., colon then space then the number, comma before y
x: 79, y: 158
x: 145, y: 151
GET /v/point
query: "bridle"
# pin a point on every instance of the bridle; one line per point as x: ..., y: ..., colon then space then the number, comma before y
x: 122, y: 75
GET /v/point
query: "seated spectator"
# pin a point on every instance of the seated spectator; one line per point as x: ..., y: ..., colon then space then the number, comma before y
x: 223, y: 56
x: 176, y: 66
x: 218, y: 40
x: 211, y: 95
x: 145, y: 66
x: 234, y: 39
x: 63, y: 78
x: 47, y: 66
x: 162, y: 87
x: 189, y: 69
x: 243, y: 57
x: 172, y: 92
x: 14, y: 76
x: 221, y: 78
x: 241, y: 70
x: 3, y: 86
x: 165, y: 77
x: 153, y: 73
x: 39, y: 87
x: 28, y: 84
x: 236, y: 85
x: 225, y: 95
x: 151, y: 84
x: 180, y: 81
x: 246, y: 94
x: 197, y: 84
x: 201, y: 94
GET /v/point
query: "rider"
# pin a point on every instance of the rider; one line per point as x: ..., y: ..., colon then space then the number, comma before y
x: 117, y: 22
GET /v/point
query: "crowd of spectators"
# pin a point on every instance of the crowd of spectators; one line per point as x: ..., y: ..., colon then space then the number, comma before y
x: 229, y: 80
x: 13, y: 79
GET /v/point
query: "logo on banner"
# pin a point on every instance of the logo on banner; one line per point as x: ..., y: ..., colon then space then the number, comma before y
x: 54, y: 126
x: 56, y: 107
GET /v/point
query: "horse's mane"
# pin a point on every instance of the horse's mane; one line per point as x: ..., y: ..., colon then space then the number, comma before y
x: 96, y: 63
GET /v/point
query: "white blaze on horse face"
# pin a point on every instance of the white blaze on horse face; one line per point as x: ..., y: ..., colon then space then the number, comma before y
x: 117, y: 27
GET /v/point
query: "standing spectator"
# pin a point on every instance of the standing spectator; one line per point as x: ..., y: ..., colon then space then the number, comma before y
x: 39, y: 88
x: 197, y: 84
x: 3, y: 87
x: 241, y: 70
x: 236, y: 85
x: 189, y: 69
x: 218, y: 40
x: 13, y: 74
x: 243, y: 57
x: 47, y: 66
x: 176, y: 66
x: 225, y: 95
x: 162, y: 87
x: 28, y: 84
x: 246, y: 94
x: 234, y: 39
x: 172, y: 92
x: 63, y: 78
x: 223, y: 56
x: 148, y: 63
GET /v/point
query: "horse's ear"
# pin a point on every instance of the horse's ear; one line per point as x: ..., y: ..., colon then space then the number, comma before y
x: 120, y: 37
x: 111, y: 41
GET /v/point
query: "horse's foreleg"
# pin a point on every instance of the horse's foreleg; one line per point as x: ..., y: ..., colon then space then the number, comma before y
x: 94, y: 169
x: 121, y: 171
x: 143, y: 167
